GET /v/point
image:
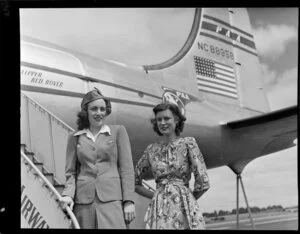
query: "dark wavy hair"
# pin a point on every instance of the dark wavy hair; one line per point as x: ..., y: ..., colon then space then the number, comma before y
x: 83, y: 120
x: 176, y: 112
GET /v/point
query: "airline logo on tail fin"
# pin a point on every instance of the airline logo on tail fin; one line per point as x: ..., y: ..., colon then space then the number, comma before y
x: 222, y: 31
x: 215, y: 77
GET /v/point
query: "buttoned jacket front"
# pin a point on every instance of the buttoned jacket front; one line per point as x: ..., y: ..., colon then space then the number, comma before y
x: 103, y: 168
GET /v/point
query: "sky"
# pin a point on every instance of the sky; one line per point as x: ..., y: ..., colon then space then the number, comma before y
x: 142, y: 36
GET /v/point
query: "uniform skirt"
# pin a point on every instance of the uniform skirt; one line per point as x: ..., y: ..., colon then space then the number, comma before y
x: 100, y: 215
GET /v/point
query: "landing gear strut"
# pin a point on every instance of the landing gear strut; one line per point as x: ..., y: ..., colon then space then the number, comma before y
x: 237, y: 167
x: 239, y: 178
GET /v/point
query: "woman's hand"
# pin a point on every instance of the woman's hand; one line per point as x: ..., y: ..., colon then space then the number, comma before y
x: 129, y: 211
x: 65, y: 201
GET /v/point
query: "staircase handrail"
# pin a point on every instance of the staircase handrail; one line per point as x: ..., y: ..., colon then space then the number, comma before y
x: 52, y: 118
x: 50, y: 186
x: 50, y: 113
x: 148, y: 186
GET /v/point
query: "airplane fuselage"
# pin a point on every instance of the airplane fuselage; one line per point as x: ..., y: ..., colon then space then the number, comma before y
x: 133, y: 94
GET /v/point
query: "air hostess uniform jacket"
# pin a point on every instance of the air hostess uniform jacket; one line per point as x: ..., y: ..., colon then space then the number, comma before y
x: 103, y: 168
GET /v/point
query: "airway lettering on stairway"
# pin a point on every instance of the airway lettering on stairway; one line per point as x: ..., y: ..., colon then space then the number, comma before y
x: 30, y: 213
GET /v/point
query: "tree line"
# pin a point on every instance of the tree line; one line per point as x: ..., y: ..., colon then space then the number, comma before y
x: 243, y: 210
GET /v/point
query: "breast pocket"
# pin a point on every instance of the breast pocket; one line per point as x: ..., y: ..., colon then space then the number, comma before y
x: 109, y: 148
x: 111, y: 142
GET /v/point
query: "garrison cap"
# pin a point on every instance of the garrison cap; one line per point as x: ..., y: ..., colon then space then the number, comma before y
x: 94, y: 95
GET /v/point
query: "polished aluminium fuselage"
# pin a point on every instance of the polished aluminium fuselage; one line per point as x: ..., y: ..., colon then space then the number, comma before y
x: 133, y: 93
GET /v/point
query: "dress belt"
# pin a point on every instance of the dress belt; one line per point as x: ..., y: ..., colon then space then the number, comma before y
x: 167, y: 181
x: 165, y: 185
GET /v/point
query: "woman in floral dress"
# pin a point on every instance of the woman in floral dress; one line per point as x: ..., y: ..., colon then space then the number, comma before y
x: 172, y: 160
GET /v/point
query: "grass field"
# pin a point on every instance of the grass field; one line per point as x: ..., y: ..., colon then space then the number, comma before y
x: 262, y: 221
x: 232, y: 217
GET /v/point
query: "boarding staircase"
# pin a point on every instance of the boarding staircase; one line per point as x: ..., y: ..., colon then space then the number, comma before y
x: 42, y: 168
x: 43, y: 147
x: 40, y: 199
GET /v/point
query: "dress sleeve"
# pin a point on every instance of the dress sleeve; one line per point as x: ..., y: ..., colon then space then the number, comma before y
x: 198, y: 167
x: 142, y: 166
x: 71, y: 167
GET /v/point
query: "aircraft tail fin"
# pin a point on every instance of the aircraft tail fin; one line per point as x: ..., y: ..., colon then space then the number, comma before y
x: 219, y: 60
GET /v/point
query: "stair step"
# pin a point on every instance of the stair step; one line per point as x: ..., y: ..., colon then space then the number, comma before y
x: 30, y: 155
x: 27, y: 151
x: 45, y: 171
x: 56, y: 182
x: 39, y: 166
x: 49, y: 177
x: 59, y: 188
x: 35, y: 160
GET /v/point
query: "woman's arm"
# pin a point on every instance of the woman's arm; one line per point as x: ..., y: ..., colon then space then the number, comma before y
x: 125, y: 164
x: 140, y: 189
x: 70, y: 168
x: 141, y: 167
x: 126, y: 173
x: 199, y: 168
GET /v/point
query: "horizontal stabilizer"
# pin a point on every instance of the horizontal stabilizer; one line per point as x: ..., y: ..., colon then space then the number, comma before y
x: 271, y: 116
x: 268, y: 133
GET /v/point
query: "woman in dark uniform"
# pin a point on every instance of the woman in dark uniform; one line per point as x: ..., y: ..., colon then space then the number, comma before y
x: 99, y: 169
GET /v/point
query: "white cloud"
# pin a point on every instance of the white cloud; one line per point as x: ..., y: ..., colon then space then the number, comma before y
x: 281, y: 89
x: 268, y: 75
x: 284, y: 92
x: 281, y: 97
x: 272, y: 40
x: 288, y: 77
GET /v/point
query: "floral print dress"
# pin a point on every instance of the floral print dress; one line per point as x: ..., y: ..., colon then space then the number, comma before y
x: 174, y: 205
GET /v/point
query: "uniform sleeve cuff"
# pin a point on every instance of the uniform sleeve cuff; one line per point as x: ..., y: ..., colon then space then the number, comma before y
x: 128, y: 201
